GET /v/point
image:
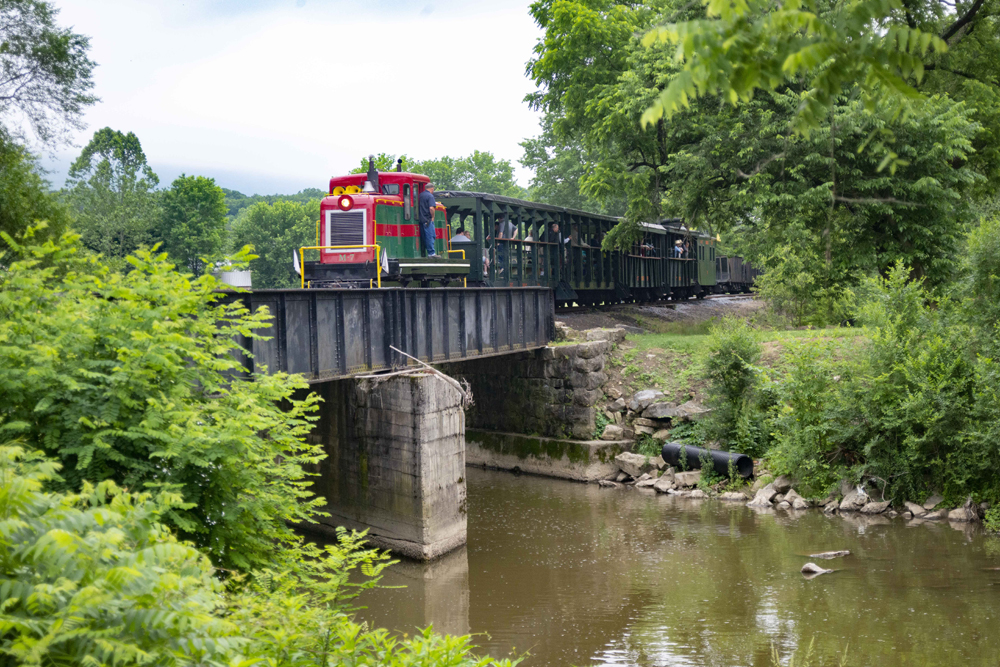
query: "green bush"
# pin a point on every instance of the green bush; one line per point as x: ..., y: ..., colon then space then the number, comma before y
x: 131, y: 378
x: 919, y: 391
x: 807, y: 420
x: 915, y: 410
x: 94, y: 577
x: 97, y: 578
x: 798, y: 283
x: 736, y: 390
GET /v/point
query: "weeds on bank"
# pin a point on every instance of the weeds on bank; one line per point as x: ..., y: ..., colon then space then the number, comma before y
x: 647, y: 446
x: 600, y: 421
x: 991, y: 521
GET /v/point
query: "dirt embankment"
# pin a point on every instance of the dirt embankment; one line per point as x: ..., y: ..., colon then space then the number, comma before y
x: 657, y: 317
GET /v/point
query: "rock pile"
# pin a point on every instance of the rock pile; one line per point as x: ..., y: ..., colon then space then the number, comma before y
x: 647, y: 412
x: 652, y: 472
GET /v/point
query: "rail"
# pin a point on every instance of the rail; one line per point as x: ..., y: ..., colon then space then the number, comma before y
x: 302, y: 257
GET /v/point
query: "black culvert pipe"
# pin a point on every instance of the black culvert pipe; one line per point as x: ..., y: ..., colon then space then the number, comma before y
x: 742, y: 463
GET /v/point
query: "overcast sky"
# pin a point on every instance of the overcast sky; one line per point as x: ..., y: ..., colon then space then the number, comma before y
x: 274, y: 96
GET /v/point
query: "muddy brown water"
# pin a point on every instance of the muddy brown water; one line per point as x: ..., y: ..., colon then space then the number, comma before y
x: 579, y: 575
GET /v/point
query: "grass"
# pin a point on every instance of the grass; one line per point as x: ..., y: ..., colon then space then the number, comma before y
x: 673, y: 361
x: 696, y: 342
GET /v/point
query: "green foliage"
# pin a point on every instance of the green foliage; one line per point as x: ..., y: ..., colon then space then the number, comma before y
x: 383, y: 162
x: 915, y: 411
x: 96, y: 578
x: 743, y: 47
x: 811, y: 438
x: 24, y: 198
x: 734, y: 352
x: 45, y: 74
x: 831, y: 193
x: 736, y: 395
x: 559, y: 170
x: 991, y: 521
x: 275, y: 232
x: 803, y: 288
x: 982, y: 271
x: 134, y: 378
x: 111, y: 191
x: 647, y: 446
x: 593, y: 82
x: 194, y: 222
x: 708, y: 477
x: 600, y: 422
x: 829, y: 199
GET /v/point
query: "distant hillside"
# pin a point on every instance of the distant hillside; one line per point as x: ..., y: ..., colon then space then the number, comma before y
x: 237, y: 201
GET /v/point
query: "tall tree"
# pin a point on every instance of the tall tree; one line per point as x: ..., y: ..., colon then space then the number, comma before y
x: 111, y: 189
x: 45, y: 74
x: 194, y: 222
x: 275, y: 231
x: 25, y: 199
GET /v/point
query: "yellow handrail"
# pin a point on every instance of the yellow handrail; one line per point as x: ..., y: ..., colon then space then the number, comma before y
x: 302, y: 257
x: 465, y: 281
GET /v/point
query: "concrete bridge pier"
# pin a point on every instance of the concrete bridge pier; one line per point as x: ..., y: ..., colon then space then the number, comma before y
x: 395, y: 462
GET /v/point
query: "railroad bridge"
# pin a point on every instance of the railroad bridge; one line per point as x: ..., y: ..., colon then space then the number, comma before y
x: 395, y: 445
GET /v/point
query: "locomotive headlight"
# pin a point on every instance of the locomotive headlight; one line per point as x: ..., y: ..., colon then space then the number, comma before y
x: 345, y: 203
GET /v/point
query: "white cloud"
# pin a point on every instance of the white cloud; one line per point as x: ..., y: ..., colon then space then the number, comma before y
x: 290, y: 91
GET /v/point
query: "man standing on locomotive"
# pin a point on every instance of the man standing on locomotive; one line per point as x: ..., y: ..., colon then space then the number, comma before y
x: 425, y: 207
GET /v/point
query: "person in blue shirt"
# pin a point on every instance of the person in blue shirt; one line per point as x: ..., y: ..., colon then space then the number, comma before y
x: 425, y: 206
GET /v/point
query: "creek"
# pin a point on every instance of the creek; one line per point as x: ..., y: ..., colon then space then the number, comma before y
x: 576, y: 574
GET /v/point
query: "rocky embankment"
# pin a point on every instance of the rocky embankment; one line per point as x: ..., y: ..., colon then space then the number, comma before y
x: 779, y: 493
x: 649, y: 413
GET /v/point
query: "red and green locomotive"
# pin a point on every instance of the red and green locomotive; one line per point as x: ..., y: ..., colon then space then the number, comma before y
x: 369, y: 235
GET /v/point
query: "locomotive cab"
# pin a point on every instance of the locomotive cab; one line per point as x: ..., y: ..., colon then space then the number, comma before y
x: 369, y: 235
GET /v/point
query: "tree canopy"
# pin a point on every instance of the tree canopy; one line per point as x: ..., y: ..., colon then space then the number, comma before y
x: 112, y: 192
x: 194, y: 222
x: 275, y: 231
x: 479, y: 172
x: 880, y: 49
x: 25, y: 199
x: 45, y: 74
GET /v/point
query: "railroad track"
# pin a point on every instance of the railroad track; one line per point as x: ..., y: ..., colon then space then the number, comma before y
x: 590, y: 309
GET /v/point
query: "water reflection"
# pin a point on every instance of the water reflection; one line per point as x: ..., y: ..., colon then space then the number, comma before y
x: 580, y: 575
x: 423, y: 594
